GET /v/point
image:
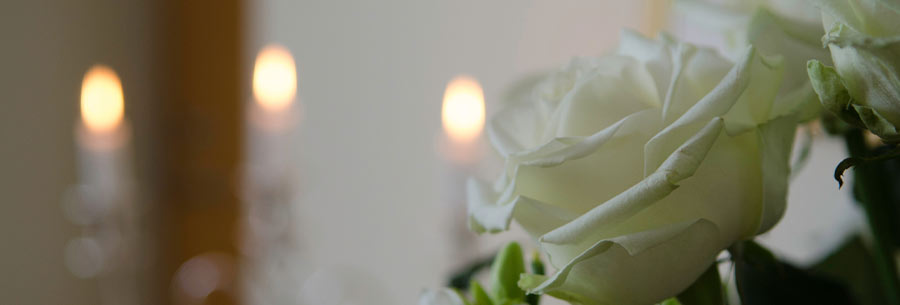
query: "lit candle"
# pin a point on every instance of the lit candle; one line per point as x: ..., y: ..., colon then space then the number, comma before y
x: 272, y: 115
x: 270, y: 171
x: 274, y: 78
x: 103, y: 205
x: 103, y: 137
x: 462, y: 117
x: 269, y: 240
x: 102, y: 101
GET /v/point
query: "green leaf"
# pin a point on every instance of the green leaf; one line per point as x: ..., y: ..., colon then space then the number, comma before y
x: 461, y: 278
x: 835, y: 98
x: 853, y: 264
x: 537, y: 267
x: 834, y: 125
x: 462, y: 297
x: 892, y: 173
x: 480, y: 297
x: 832, y: 93
x: 508, y: 266
x: 529, y: 281
x: 763, y: 280
x: 707, y: 290
x: 671, y: 301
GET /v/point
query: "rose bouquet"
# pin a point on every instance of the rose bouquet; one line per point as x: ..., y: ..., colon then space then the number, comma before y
x: 634, y: 171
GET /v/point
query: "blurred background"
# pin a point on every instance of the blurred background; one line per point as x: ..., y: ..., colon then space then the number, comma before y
x: 222, y: 183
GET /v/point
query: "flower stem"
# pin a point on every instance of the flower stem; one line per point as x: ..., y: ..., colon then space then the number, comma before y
x: 873, y: 186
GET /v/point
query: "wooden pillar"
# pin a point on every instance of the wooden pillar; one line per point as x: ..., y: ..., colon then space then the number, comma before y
x: 201, y: 140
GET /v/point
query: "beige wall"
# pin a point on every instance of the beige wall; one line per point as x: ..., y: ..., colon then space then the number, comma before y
x: 46, y: 48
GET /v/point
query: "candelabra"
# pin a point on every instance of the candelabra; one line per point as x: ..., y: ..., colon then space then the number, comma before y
x: 107, y: 250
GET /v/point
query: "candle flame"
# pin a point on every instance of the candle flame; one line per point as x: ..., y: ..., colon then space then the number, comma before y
x: 274, y: 78
x: 102, y: 102
x: 463, y: 110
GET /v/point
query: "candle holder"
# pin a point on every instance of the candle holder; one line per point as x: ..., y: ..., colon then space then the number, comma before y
x: 462, y: 118
x: 103, y: 205
x: 270, y: 242
x: 270, y: 245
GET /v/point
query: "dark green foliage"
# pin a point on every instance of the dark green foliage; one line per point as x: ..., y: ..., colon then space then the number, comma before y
x: 707, y: 290
x: 852, y: 263
x: 763, y: 280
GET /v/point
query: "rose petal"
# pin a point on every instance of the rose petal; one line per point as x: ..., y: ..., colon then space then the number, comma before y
x: 776, y: 140
x: 532, y: 172
x: 702, y: 69
x: 487, y: 212
x: 594, y: 225
x: 741, y: 107
x: 617, y: 88
x: 870, y: 73
x: 658, y: 263
x: 682, y: 73
x: 796, y: 40
x: 515, y: 128
x: 653, y: 54
x: 874, y: 17
x: 560, y: 150
x: 538, y: 218
x: 570, y: 178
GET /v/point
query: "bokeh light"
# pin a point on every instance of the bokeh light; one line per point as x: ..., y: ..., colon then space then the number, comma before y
x: 274, y: 78
x: 463, y: 109
x: 102, y: 102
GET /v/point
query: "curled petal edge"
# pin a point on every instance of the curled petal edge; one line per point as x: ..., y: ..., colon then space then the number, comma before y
x: 634, y: 245
x: 680, y: 165
x: 491, y: 210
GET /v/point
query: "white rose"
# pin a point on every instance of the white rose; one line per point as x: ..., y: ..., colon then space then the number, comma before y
x: 790, y: 28
x: 443, y: 296
x: 863, y: 88
x: 634, y: 170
